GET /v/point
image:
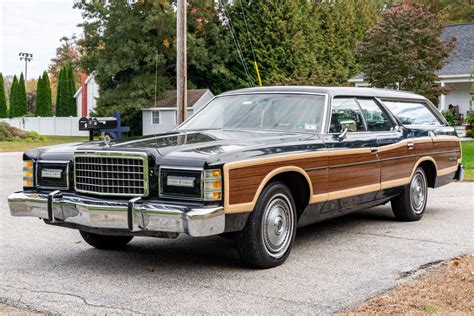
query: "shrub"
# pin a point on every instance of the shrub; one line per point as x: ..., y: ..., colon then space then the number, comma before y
x: 10, y: 133
x: 469, y: 133
x: 470, y: 119
x: 449, y: 116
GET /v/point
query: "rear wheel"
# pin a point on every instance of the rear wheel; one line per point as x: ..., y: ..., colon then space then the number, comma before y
x: 105, y: 241
x: 411, y: 203
x: 268, y: 236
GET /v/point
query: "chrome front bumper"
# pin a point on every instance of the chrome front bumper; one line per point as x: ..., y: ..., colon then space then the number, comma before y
x: 134, y: 216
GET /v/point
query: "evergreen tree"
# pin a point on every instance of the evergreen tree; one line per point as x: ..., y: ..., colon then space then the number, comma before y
x: 71, y: 82
x: 48, y: 98
x: 21, y: 108
x: 3, y: 99
x: 59, y: 92
x: 13, y: 96
x: 43, y: 97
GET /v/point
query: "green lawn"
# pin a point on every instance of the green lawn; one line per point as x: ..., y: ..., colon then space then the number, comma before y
x: 468, y: 159
x: 23, y: 145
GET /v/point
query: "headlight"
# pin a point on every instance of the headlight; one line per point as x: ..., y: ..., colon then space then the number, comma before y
x: 212, y: 185
x: 191, y: 183
x: 28, y: 169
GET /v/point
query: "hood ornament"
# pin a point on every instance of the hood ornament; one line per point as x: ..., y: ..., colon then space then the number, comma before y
x: 107, y: 141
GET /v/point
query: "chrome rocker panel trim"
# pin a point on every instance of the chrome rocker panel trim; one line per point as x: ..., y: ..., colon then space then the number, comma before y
x: 134, y: 216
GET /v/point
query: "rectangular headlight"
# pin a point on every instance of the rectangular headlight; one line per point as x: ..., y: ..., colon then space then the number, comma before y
x: 28, y: 171
x: 52, y: 174
x: 180, y: 182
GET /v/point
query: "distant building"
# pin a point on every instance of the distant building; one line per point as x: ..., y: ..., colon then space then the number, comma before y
x: 162, y: 117
x: 87, y: 95
x: 456, y: 74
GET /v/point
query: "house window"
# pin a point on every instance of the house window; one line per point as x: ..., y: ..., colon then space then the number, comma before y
x: 155, y: 117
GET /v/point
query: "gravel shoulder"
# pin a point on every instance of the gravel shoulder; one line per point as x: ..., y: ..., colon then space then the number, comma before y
x: 446, y: 287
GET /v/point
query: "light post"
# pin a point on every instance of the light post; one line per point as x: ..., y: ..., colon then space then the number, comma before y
x: 27, y: 57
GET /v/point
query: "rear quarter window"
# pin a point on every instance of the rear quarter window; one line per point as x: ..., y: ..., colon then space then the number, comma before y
x: 412, y: 113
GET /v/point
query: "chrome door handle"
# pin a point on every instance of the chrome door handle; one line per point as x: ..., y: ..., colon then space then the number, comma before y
x: 373, y: 149
x: 410, y: 145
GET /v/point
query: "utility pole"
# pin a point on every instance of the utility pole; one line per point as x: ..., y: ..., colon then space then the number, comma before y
x: 181, y: 65
x: 27, y: 57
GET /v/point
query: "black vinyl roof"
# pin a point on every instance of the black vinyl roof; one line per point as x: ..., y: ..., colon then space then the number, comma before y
x: 331, y: 91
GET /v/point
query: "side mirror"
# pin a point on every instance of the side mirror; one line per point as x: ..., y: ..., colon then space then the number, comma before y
x: 343, y: 135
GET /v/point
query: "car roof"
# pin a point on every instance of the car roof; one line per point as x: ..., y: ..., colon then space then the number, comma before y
x: 331, y: 91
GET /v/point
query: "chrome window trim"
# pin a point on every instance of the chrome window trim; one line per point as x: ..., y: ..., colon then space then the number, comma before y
x: 66, y: 162
x: 171, y: 196
x: 382, y: 106
x: 325, y: 113
x: 116, y: 154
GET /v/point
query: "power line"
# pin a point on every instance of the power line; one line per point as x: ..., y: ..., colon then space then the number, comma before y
x: 249, y: 38
x: 236, y: 42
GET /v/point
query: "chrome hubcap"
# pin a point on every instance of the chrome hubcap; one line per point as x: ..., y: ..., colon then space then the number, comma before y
x: 278, y: 225
x: 418, y: 192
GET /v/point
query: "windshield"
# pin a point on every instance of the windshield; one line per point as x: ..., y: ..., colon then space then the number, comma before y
x: 261, y: 111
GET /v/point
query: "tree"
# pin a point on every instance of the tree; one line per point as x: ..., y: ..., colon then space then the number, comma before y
x: 3, y: 99
x: 65, y: 103
x: 43, y: 97
x: 13, y: 96
x: 67, y: 54
x: 19, y: 105
x: 451, y: 11
x: 404, y: 50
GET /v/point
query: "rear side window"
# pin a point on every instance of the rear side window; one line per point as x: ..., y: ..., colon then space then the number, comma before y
x: 375, y: 118
x: 412, y: 113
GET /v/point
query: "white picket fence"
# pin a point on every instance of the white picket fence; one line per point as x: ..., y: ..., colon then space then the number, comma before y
x: 49, y: 126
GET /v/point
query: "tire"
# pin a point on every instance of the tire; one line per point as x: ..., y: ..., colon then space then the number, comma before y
x: 267, y: 238
x: 105, y: 241
x: 411, y: 203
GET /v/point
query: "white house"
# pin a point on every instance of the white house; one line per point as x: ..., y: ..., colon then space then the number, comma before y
x: 457, y: 74
x: 87, y: 95
x: 162, y: 117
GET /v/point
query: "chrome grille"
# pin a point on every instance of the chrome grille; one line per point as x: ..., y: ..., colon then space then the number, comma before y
x: 111, y: 174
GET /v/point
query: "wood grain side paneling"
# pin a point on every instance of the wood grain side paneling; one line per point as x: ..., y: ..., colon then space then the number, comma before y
x: 341, y: 172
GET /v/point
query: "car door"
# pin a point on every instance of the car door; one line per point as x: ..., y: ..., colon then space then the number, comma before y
x: 353, y: 164
x: 389, y: 135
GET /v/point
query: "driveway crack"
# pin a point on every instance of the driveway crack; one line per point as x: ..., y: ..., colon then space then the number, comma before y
x: 79, y: 297
x: 397, y: 237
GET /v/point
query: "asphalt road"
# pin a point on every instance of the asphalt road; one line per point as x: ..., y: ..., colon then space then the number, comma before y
x: 334, y: 265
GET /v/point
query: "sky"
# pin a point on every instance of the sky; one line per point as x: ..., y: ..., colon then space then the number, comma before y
x: 34, y: 26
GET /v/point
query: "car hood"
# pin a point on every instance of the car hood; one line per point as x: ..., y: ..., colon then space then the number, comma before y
x: 205, y: 143
x: 213, y: 146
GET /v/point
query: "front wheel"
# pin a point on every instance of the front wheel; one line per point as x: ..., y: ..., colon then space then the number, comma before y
x: 105, y: 241
x: 268, y: 236
x: 411, y: 203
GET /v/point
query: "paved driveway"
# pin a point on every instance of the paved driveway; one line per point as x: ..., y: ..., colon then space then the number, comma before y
x: 334, y: 264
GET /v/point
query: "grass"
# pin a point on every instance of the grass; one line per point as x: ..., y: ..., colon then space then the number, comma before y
x: 468, y: 159
x: 24, y: 145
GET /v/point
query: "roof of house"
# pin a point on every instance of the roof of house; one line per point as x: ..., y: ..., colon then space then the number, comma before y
x: 171, y: 98
x: 461, y: 59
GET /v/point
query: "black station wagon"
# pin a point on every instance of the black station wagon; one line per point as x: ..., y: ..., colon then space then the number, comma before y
x: 252, y: 164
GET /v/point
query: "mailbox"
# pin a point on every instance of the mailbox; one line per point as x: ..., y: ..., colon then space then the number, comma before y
x: 97, y: 123
x: 109, y: 125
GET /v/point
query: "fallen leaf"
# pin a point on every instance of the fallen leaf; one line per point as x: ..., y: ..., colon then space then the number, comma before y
x: 150, y: 269
x: 455, y: 263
